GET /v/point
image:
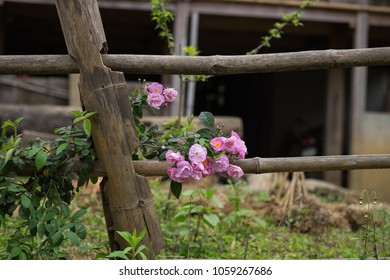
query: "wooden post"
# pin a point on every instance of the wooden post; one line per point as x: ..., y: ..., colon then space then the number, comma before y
x: 180, y: 30
x: 334, y: 122
x: 359, y: 84
x: 113, y: 128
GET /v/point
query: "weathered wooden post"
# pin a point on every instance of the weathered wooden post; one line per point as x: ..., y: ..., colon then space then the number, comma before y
x: 129, y: 203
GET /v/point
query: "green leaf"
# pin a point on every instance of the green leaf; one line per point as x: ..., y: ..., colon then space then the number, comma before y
x: 61, y: 147
x: 118, y: 254
x: 15, y: 251
x: 23, y: 255
x: 76, y: 113
x: 8, y: 155
x: 67, y: 226
x: 87, y: 127
x: 50, y: 214
x: 33, y: 152
x: 72, y: 237
x: 126, y: 235
x: 207, y: 119
x: 13, y: 188
x: 78, y: 119
x: 176, y: 188
x: 40, y: 159
x: 139, y: 251
x: 89, y: 114
x: 79, y: 214
x: 204, y: 132
x: 94, y: 179
x: 65, y: 210
x: 26, y: 202
x: 51, y: 229
x: 80, y: 230
x: 41, y: 230
x: 56, y: 238
x: 211, y: 219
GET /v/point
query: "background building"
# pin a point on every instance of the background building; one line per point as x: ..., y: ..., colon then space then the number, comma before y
x: 322, y: 112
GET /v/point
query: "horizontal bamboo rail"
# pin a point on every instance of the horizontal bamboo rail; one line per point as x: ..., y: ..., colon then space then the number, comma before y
x: 262, y: 165
x: 208, y: 65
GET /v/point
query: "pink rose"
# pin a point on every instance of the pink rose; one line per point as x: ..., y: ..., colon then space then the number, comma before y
x: 155, y: 100
x: 182, y: 173
x: 235, y: 146
x: 173, y: 158
x: 155, y: 88
x: 234, y: 171
x: 218, y: 143
x: 197, y: 153
x: 170, y: 94
x: 198, y: 169
x: 221, y: 164
x: 208, y: 168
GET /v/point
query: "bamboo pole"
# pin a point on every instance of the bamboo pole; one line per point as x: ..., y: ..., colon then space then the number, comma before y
x: 261, y: 165
x: 208, y: 65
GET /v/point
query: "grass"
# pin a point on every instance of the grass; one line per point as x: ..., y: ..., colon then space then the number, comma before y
x: 220, y: 222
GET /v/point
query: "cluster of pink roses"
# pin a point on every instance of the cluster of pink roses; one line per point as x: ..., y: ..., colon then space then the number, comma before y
x: 200, y: 164
x: 159, y: 96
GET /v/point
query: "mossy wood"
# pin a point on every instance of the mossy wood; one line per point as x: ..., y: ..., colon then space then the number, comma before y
x: 113, y: 128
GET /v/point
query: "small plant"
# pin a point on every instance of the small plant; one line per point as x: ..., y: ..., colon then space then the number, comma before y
x: 195, y: 216
x: 369, y: 234
x: 134, y: 250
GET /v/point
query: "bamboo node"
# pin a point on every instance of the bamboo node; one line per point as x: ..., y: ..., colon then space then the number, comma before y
x: 258, y: 165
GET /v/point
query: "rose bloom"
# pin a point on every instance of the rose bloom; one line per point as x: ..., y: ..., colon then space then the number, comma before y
x: 218, y: 143
x: 234, y: 145
x: 155, y: 88
x: 155, y: 100
x: 234, y: 171
x: 221, y: 164
x: 182, y: 173
x: 197, y: 153
x: 169, y: 94
x: 198, y: 169
x: 208, y: 168
x: 173, y: 158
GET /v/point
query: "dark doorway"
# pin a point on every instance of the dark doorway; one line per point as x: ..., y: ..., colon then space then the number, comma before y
x: 279, y: 110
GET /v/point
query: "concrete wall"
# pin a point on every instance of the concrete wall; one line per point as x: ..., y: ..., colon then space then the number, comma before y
x: 376, y: 140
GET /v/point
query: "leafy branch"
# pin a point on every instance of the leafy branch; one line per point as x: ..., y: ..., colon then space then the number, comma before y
x: 163, y: 18
x: 293, y: 18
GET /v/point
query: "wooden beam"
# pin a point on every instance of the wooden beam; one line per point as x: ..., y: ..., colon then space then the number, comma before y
x: 358, y: 86
x: 208, y: 65
x: 261, y: 165
x: 114, y: 132
x: 355, y: 7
